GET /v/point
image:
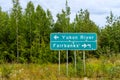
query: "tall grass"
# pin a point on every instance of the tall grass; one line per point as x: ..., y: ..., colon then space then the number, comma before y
x: 98, y: 69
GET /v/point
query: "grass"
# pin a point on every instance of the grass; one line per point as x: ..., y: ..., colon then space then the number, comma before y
x: 96, y: 69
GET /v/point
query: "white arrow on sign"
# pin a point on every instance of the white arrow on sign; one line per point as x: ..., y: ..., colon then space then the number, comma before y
x: 56, y: 37
x: 89, y: 45
x: 84, y: 45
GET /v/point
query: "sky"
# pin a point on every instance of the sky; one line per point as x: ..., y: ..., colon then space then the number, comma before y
x: 99, y: 9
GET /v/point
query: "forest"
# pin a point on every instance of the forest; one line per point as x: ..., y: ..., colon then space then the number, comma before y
x: 25, y: 34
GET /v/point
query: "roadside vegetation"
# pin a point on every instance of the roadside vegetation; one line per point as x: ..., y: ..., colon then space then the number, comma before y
x: 96, y: 69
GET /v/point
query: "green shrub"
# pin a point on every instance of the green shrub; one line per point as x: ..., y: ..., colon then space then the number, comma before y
x: 6, y: 71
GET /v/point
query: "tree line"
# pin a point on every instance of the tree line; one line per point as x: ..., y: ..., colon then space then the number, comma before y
x: 25, y: 34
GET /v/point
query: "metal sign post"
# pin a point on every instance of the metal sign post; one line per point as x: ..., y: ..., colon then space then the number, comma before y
x: 84, y: 66
x: 67, y: 63
x: 75, y: 60
x: 59, y: 63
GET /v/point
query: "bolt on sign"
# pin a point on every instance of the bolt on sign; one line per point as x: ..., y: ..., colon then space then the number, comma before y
x: 73, y: 41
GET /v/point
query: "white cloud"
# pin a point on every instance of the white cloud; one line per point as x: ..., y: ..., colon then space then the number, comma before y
x: 6, y: 6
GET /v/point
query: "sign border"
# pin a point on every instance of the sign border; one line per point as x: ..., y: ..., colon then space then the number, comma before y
x: 81, y: 41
